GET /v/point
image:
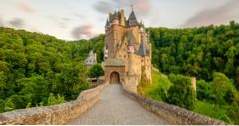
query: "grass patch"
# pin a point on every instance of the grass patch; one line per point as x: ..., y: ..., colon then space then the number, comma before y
x: 213, y: 110
x: 160, y: 82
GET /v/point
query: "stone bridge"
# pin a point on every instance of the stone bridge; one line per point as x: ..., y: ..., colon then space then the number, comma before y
x: 115, y: 107
x: 107, y: 104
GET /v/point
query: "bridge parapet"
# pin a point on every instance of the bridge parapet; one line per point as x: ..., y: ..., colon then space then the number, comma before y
x: 55, y: 114
x: 173, y: 114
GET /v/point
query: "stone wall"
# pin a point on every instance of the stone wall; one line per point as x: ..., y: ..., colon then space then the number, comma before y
x: 174, y: 114
x: 56, y: 114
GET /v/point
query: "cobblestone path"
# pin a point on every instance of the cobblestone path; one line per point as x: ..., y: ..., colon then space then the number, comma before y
x: 115, y: 107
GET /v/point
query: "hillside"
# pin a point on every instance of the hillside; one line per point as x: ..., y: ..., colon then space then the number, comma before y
x: 197, y: 51
x: 37, y: 69
x: 208, y: 53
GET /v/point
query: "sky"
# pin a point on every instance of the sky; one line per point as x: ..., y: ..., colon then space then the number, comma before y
x: 83, y: 19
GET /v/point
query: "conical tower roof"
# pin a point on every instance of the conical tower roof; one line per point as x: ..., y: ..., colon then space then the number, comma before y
x: 107, y: 23
x: 142, y: 49
x: 132, y: 21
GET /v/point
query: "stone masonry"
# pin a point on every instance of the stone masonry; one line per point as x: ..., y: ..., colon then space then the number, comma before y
x: 127, y: 50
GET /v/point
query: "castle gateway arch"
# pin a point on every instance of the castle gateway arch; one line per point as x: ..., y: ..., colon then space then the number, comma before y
x: 114, y: 78
x: 114, y: 71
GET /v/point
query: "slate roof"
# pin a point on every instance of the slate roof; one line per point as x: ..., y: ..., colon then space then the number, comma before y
x: 107, y: 23
x: 132, y: 21
x: 142, y: 49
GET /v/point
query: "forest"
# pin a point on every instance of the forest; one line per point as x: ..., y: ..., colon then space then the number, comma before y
x: 37, y: 69
x: 211, y: 55
x: 197, y: 51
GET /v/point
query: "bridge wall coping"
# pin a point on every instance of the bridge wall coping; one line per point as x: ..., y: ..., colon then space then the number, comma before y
x: 172, y: 113
x: 55, y: 114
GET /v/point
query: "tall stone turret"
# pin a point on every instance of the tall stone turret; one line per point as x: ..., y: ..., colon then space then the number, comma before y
x: 126, y: 50
x: 131, y: 51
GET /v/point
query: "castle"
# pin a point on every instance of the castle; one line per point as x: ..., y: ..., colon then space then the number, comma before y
x: 127, y: 51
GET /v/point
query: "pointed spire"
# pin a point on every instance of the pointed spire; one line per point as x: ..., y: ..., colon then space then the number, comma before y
x: 107, y: 23
x: 142, y: 49
x: 132, y: 21
x: 132, y: 7
x: 141, y: 24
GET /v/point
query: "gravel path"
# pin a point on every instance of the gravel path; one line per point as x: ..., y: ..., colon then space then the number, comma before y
x: 115, y: 107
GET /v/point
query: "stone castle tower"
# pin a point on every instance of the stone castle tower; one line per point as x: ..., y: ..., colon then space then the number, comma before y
x: 127, y: 51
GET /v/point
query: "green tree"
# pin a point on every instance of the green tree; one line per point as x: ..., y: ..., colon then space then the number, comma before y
x: 9, y: 105
x: 2, y: 105
x: 95, y: 71
x: 71, y: 81
x: 182, y: 92
x: 204, y: 90
x: 222, y: 88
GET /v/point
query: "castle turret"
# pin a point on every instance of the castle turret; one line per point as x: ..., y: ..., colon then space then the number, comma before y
x: 142, y: 49
x: 132, y: 21
x: 126, y: 50
x: 122, y: 18
x: 107, y: 25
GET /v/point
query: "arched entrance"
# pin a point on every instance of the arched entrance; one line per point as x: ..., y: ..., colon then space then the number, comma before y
x: 114, y: 78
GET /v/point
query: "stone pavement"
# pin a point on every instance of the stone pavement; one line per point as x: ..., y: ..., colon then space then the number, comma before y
x: 115, y: 107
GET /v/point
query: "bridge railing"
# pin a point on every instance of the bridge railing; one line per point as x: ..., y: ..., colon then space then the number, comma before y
x: 173, y: 114
x: 55, y: 114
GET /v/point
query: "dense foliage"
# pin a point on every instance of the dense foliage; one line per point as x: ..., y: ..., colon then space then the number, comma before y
x: 220, y: 97
x: 37, y: 69
x: 197, y: 51
x: 211, y: 55
x: 96, y: 71
x: 181, y: 93
x: 159, y: 87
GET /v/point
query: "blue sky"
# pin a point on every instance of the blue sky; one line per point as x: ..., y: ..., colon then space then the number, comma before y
x: 77, y: 19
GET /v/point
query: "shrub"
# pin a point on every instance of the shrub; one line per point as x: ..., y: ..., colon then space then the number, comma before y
x: 181, y: 93
x: 9, y: 105
x: 2, y: 105
x: 222, y: 88
x: 234, y: 113
x: 159, y: 87
x: 52, y: 100
x: 204, y: 90
x: 96, y: 71
x: 19, y: 101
